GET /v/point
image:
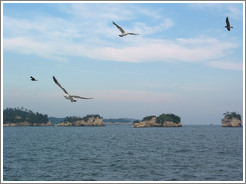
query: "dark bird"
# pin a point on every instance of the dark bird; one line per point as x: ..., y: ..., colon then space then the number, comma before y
x: 123, y: 32
x: 68, y: 96
x: 33, y: 79
x: 228, y: 26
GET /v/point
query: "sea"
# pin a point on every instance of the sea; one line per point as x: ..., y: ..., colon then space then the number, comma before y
x: 123, y: 153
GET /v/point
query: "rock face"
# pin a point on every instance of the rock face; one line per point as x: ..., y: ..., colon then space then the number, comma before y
x: 152, y: 123
x: 231, y: 122
x: 172, y: 124
x: 147, y: 123
x: 25, y: 123
x: 92, y: 121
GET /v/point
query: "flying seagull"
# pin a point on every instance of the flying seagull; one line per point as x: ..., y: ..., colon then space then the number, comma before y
x: 33, y: 79
x: 122, y: 31
x: 68, y: 96
x: 228, y: 26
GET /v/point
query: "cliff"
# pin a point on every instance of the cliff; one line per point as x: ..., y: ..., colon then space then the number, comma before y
x: 231, y: 119
x: 92, y: 121
x: 231, y: 122
x: 164, y: 120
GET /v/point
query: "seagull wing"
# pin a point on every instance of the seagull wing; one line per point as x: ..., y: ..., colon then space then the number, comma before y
x: 80, y: 97
x: 227, y: 22
x: 120, y: 28
x: 59, y: 85
x: 133, y: 33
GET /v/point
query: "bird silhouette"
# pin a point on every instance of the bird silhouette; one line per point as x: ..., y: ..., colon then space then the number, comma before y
x: 228, y: 26
x: 33, y: 79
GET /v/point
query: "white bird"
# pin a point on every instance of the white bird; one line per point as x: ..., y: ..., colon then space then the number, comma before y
x: 68, y: 96
x: 123, y: 32
x: 228, y: 26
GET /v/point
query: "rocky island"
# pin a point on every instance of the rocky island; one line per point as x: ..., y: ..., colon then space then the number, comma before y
x: 164, y: 120
x: 231, y: 119
x: 89, y: 120
x: 24, y: 117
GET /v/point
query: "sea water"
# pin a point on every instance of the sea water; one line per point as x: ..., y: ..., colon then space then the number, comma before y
x: 122, y: 153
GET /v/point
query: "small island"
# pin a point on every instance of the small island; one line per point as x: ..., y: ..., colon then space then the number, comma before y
x: 89, y: 120
x: 231, y: 119
x: 24, y: 117
x: 164, y: 120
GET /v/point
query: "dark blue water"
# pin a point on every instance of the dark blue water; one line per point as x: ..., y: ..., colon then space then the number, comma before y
x: 120, y: 152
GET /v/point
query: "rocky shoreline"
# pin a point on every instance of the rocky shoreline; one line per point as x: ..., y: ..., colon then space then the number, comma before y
x: 27, y: 124
x: 92, y: 121
x: 153, y: 122
x: 233, y: 122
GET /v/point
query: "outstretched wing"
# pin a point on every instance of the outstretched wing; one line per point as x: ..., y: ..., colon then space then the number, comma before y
x: 120, y: 28
x: 227, y: 22
x: 59, y: 85
x: 133, y: 33
x: 80, y: 97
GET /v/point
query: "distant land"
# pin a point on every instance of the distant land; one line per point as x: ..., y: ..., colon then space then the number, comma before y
x: 119, y: 120
x: 24, y: 117
x: 163, y: 120
x: 56, y: 121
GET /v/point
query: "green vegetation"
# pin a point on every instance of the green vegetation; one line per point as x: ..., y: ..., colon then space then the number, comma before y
x: 72, y: 119
x: 167, y: 117
x: 231, y: 115
x: 55, y: 120
x: 164, y: 117
x: 18, y: 115
x: 147, y: 118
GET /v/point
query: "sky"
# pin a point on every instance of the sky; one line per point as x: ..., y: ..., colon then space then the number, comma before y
x: 183, y: 61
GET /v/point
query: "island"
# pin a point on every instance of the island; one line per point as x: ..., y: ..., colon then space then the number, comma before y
x: 24, y: 117
x: 231, y: 119
x: 164, y: 120
x: 88, y: 120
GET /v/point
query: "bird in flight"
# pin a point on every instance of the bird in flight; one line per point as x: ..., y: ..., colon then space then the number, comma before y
x: 228, y: 26
x: 68, y: 96
x: 123, y: 32
x: 33, y: 79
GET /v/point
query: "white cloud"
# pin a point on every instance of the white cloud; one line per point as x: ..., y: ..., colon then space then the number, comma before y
x: 149, y: 50
x: 94, y: 36
x: 143, y: 50
x: 227, y: 65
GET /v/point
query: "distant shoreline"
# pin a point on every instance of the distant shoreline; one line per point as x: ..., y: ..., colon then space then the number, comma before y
x: 117, y: 123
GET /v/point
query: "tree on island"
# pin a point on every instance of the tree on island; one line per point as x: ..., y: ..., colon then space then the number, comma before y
x: 72, y: 119
x: 231, y: 115
x: 162, y: 118
x: 168, y: 117
x: 147, y: 118
x: 18, y: 115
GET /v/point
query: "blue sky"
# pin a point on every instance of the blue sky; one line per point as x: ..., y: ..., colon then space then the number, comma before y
x: 183, y: 61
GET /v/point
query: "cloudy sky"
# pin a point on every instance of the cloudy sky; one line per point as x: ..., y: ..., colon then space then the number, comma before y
x: 183, y: 61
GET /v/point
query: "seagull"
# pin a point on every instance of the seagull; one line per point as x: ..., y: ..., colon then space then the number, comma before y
x: 33, y: 79
x: 228, y: 26
x: 122, y: 31
x: 68, y: 96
